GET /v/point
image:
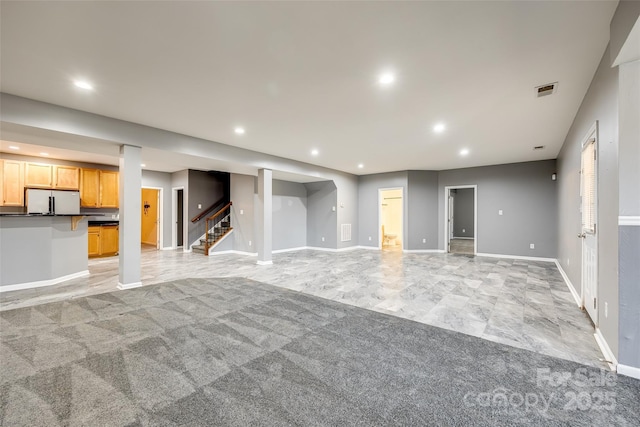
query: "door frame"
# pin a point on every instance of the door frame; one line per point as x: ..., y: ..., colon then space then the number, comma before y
x: 159, y: 232
x: 447, y: 192
x: 591, y: 134
x: 174, y: 217
x: 380, y: 236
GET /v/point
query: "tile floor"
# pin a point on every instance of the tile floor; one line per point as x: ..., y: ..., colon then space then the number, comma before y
x: 461, y: 246
x: 525, y: 304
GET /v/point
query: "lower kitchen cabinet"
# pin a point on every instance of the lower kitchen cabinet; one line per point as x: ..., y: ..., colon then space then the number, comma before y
x: 103, y: 240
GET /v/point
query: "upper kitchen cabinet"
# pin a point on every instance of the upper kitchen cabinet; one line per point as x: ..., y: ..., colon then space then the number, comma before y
x: 12, y: 178
x: 98, y: 188
x: 38, y: 175
x: 66, y: 177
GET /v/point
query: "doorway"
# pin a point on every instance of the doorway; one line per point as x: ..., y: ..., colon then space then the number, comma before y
x: 150, y: 211
x: 391, y: 218
x: 178, y: 217
x: 461, y: 219
x: 588, y: 235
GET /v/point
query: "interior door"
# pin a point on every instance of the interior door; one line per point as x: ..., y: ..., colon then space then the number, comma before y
x: 450, y: 219
x: 588, y: 234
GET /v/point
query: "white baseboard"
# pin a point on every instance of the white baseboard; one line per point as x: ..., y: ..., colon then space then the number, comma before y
x: 572, y: 289
x: 264, y: 262
x: 282, y: 251
x: 317, y: 248
x: 423, y: 251
x: 629, y: 371
x: 629, y: 220
x: 168, y: 248
x: 41, y: 283
x: 526, y: 258
x: 234, y: 253
x: 463, y: 238
x: 185, y: 250
x: 605, y: 349
x: 124, y: 286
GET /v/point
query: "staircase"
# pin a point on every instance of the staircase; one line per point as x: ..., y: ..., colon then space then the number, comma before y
x: 218, y: 225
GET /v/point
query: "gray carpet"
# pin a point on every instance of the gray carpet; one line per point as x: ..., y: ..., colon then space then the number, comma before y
x: 237, y: 352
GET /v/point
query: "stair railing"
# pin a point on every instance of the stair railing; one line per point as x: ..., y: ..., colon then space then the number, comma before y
x: 215, y: 220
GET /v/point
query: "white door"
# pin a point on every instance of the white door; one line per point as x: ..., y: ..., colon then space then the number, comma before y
x: 450, y: 219
x: 588, y: 185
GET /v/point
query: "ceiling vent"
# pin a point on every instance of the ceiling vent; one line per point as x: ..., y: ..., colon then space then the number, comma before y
x: 538, y: 147
x: 545, y: 90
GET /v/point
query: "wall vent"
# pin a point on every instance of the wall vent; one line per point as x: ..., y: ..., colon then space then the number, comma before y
x: 545, y: 90
x: 538, y: 147
x: 345, y: 232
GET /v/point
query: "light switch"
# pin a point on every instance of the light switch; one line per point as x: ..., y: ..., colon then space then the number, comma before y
x: 241, y: 211
x: 500, y: 212
x: 199, y: 206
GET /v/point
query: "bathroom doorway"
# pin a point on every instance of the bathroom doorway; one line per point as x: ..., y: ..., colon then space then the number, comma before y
x: 391, y: 218
x: 150, y: 218
x: 461, y: 220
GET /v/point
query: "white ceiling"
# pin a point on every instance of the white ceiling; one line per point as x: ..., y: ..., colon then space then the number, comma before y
x: 303, y: 75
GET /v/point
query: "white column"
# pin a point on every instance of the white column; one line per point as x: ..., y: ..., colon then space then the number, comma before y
x: 264, y: 213
x: 130, y: 222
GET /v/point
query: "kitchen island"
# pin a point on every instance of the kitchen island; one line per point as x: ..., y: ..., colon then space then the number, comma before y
x: 41, y: 250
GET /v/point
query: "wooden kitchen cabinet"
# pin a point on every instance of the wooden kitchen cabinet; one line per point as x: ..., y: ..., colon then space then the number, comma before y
x: 94, y: 241
x: 38, y: 175
x: 103, y: 240
x: 109, y: 184
x: 98, y: 188
x: 66, y: 177
x: 12, y: 180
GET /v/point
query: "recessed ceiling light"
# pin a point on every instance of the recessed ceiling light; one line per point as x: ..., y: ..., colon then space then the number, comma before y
x: 239, y: 130
x: 314, y: 152
x: 82, y: 84
x: 464, y: 151
x: 439, y: 128
x: 386, y: 79
x: 360, y: 166
x: 13, y: 147
x: 142, y: 165
x: 44, y: 154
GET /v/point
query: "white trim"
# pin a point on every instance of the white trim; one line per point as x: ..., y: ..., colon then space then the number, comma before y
x: 572, y: 289
x: 186, y: 250
x: 629, y: 220
x: 527, y: 258
x: 629, y: 371
x: 160, y: 231
x: 369, y: 248
x: 168, y: 248
x: 463, y: 238
x: 234, y: 253
x: 605, y: 349
x: 123, y: 286
x: 423, y: 251
x: 281, y: 251
x: 317, y: 248
x: 41, y: 283
x: 447, y: 189
x: 264, y: 262
x: 351, y: 248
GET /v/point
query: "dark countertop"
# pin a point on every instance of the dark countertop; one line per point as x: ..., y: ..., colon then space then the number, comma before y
x: 112, y: 222
x: 38, y: 215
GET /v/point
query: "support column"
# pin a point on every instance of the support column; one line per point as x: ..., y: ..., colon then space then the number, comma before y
x: 129, y: 231
x: 264, y: 212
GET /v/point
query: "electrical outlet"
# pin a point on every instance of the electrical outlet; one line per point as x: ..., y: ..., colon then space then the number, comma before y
x: 500, y: 212
x: 606, y: 309
x: 464, y: 231
x: 249, y: 242
x: 199, y: 205
x: 323, y: 239
x: 369, y: 238
x: 532, y: 246
x: 424, y: 240
x: 241, y: 211
x: 568, y: 261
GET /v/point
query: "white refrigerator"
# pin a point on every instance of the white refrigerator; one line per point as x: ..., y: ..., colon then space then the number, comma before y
x: 52, y: 202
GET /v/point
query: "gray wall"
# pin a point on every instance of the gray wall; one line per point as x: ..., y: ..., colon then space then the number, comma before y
x: 41, y: 248
x: 242, y: 196
x: 463, y: 213
x: 348, y: 208
x: 422, y: 208
x: 369, y: 205
x: 599, y: 104
x: 526, y: 195
x: 321, y: 219
x: 629, y: 296
x: 161, y: 180
x: 204, y: 190
x: 289, y: 215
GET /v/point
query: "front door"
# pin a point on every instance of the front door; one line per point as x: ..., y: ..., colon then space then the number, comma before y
x: 588, y: 233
